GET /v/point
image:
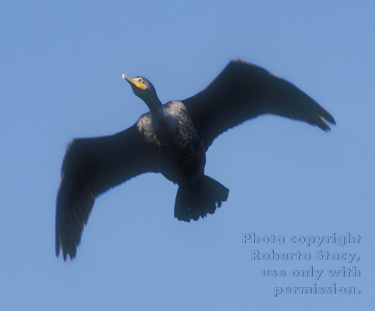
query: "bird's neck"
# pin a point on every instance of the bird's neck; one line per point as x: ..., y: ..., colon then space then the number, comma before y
x: 155, y: 106
x: 157, y: 114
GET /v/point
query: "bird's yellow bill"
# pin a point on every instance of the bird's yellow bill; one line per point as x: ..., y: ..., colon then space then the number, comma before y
x: 134, y: 81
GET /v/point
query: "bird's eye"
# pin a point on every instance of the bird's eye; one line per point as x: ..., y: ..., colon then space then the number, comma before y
x: 139, y: 80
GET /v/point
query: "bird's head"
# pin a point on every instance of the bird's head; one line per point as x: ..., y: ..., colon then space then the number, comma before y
x: 141, y: 87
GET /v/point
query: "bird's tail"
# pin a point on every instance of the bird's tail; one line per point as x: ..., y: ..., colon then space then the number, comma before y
x: 199, y: 199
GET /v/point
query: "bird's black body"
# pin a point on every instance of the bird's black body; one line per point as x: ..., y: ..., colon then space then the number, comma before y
x: 172, y: 139
x: 175, y: 139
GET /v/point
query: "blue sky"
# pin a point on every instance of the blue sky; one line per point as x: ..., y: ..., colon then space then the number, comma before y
x: 61, y: 65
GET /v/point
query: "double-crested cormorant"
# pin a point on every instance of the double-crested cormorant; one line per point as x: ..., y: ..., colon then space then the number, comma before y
x: 172, y: 139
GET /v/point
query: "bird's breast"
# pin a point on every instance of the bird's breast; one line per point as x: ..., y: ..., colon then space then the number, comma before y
x: 177, y: 140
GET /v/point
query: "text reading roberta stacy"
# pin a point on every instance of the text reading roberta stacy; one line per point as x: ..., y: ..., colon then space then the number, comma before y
x: 332, y: 259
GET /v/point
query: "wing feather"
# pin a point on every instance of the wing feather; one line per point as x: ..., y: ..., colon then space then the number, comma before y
x: 92, y: 166
x: 243, y: 91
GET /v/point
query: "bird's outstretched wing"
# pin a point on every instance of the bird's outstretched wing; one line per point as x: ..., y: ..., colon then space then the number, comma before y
x: 91, y: 166
x: 243, y: 91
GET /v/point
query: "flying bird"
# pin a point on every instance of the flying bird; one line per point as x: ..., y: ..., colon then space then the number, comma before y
x: 172, y: 139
